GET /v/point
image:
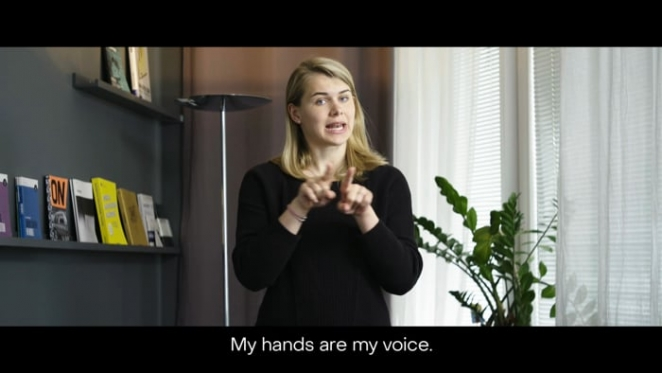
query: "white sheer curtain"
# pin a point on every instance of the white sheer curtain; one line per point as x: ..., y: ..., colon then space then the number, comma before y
x: 447, y: 123
x: 486, y: 119
x: 610, y: 242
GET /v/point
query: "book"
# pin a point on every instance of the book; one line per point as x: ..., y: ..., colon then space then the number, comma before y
x: 131, y: 219
x: 143, y: 76
x: 84, y: 211
x: 114, y: 71
x: 132, y: 67
x: 27, y: 207
x: 108, y: 214
x: 148, y: 214
x: 58, y: 208
x: 165, y: 232
x: 5, y: 219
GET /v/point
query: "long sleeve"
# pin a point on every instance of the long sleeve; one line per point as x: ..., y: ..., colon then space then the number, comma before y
x: 390, y: 248
x: 329, y: 273
x: 263, y: 246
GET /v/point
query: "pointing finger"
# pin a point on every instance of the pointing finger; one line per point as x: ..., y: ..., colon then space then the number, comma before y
x: 347, y: 181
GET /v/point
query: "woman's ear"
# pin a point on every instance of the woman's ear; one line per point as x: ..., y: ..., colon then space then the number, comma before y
x: 293, y: 111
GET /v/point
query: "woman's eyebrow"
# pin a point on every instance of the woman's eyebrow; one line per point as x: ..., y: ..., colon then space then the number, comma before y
x: 327, y: 94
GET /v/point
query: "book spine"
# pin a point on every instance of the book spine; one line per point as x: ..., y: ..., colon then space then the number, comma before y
x: 144, y: 75
x: 5, y: 220
x: 133, y: 70
x: 49, y: 208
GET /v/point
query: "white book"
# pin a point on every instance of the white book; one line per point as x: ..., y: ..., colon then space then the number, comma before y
x: 144, y: 86
x: 148, y: 213
x: 85, y: 220
x: 165, y: 231
x: 133, y: 70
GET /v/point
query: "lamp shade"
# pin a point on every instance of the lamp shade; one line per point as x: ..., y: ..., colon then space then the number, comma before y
x: 223, y: 102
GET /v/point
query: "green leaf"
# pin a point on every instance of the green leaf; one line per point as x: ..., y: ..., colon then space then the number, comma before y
x: 495, y: 222
x: 457, y: 248
x: 529, y: 296
x: 486, y: 273
x: 482, y: 252
x: 543, y: 269
x: 548, y: 292
x: 524, y: 268
x: 526, y: 280
x: 500, y: 250
x: 482, y: 234
x: 546, y: 248
x: 506, y: 267
x: 461, y: 206
x: 472, y: 219
x: 552, y: 311
x: 463, y: 297
x: 444, y: 186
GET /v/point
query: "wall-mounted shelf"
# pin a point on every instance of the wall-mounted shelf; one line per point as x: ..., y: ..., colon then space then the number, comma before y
x: 16, y: 242
x: 117, y: 96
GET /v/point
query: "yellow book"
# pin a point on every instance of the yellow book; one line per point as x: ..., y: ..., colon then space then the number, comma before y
x: 105, y: 200
x: 132, y: 221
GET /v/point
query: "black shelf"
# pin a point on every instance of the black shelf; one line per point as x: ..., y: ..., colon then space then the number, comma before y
x: 117, y: 96
x: 33, y: 243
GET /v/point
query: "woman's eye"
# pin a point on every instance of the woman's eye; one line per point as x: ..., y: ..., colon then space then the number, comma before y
x: 320, y: 102
x: 344, y: 98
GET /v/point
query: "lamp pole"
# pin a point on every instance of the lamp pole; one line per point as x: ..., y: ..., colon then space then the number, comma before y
x: 224, y: 103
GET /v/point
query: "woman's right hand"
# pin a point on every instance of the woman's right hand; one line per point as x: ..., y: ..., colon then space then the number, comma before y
x: 315, y: 192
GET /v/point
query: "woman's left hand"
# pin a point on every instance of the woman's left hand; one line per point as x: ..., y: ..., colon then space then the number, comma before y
x: 355, y: 199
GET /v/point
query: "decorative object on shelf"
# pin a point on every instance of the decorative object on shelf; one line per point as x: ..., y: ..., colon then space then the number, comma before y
x: 113, y: 69
x: 224, y: 103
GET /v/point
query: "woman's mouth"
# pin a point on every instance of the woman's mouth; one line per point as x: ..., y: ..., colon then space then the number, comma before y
x: 336, y: 128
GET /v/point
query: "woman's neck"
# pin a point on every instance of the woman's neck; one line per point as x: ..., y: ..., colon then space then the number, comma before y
x: 334, y: 156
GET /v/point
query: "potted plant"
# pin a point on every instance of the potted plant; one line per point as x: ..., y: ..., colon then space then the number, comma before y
x: 499, y: 263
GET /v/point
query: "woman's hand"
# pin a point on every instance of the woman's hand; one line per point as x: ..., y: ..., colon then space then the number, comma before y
x: 315, y: 192
x: 355, y: 199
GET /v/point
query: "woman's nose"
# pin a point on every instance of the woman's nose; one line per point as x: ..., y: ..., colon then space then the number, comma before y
x: 335, y: 108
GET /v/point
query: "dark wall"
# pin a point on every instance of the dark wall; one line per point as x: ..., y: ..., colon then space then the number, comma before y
x: 48, y: 127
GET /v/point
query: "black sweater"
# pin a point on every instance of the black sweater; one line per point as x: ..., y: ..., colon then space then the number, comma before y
x: 329, y: 273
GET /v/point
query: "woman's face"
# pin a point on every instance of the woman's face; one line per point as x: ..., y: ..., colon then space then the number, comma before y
x: 326, y: 112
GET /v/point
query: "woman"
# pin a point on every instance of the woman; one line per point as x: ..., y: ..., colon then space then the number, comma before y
x: 326, y: 226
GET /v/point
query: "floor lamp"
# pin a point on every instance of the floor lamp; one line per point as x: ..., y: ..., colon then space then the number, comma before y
x: 224, y: 103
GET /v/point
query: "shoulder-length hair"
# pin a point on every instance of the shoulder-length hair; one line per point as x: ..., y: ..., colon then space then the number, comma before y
x: 296, y: 156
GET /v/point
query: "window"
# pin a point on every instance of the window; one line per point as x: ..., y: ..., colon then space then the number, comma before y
x: 479, y: 128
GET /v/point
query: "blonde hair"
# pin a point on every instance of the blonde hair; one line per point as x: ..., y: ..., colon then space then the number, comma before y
x: 296, y: 156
